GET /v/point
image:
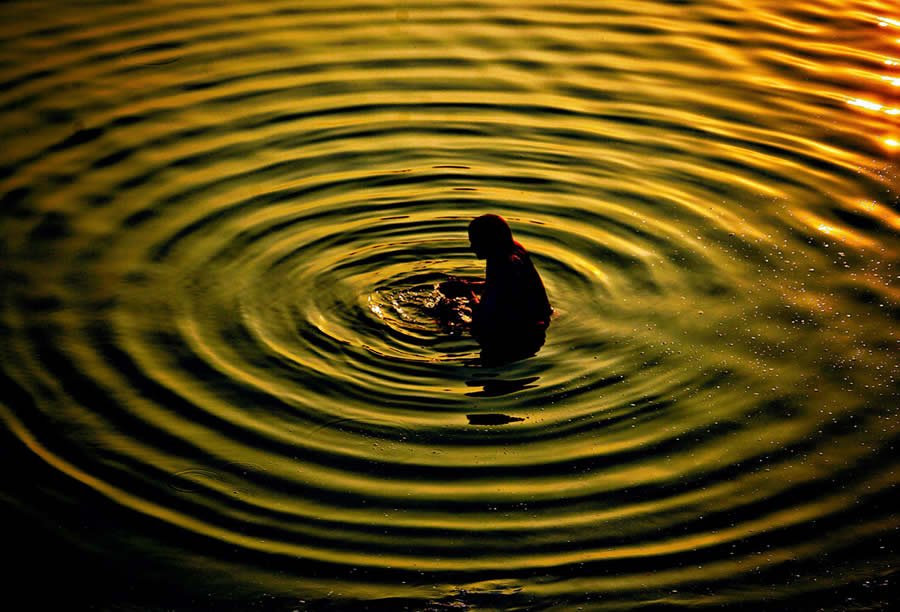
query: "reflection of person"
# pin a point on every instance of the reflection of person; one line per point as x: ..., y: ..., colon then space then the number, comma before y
x: 510, y: 309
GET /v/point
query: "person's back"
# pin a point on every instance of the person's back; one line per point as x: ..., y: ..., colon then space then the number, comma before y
x: 513, y: 299
x: 514, y: 295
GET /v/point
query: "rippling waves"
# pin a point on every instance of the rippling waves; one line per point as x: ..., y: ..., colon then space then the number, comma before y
x: 223, y: 224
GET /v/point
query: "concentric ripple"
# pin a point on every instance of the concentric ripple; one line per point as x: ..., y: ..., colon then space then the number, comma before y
x: 223, y: 230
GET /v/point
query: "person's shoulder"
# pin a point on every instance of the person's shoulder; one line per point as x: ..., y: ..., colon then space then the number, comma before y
x: 520, y: 258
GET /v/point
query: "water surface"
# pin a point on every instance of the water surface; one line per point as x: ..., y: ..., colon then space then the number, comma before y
x: 221, y: 227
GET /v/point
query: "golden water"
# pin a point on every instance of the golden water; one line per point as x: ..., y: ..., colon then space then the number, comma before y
x: 221, y: 221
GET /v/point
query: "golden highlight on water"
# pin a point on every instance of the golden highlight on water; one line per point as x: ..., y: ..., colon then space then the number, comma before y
x: 229, y: 383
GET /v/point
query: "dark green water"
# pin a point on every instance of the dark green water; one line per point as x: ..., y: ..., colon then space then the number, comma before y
x: 221, y: 226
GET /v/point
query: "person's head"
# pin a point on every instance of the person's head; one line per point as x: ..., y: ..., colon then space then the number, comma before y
x: 490, y: 235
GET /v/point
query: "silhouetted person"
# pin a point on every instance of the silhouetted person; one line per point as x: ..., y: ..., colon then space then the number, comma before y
x: 510, y: 309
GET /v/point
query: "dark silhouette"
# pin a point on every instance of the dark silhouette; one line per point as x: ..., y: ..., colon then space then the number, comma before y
x: 492, y: 419
x: 496, y: 387
x: 510, y: 311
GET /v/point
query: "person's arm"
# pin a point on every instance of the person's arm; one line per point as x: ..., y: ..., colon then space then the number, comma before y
x: 461, y: 287
x: 477, y: 286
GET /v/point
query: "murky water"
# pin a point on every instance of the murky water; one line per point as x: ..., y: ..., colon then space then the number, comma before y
x: 221, y: 226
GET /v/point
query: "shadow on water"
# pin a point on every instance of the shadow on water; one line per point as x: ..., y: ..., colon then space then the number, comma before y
x: 495, y: 387
x: 492, y: 419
